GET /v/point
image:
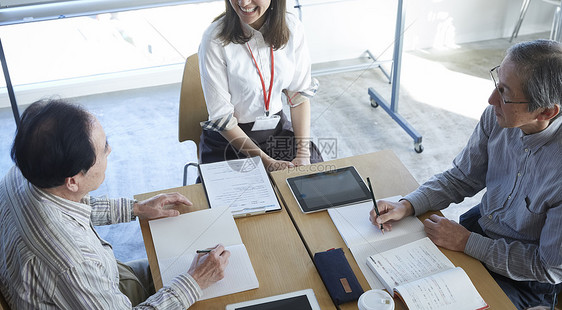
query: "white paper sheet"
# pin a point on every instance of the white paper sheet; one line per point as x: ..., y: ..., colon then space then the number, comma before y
x: 409, y: 262
x: 450, y: 289
x: 177, y: 238
x: 365, y: 239
x: 241, y: 184
x: 361, y: 253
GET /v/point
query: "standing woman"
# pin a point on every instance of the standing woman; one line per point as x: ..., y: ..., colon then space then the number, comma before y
x: 248, y: 57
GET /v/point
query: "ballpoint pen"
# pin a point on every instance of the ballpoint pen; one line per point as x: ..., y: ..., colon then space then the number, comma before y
x: 374, y: 201
x: 203, y: 251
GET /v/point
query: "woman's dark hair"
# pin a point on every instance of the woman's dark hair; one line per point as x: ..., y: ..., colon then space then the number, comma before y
x: 53, y: 142
x: 275, y: 29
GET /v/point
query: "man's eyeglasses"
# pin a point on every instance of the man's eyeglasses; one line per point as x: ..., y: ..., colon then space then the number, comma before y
x: 495, y: 78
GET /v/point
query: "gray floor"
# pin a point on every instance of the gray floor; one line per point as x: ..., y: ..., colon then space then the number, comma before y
x: 442, y: 94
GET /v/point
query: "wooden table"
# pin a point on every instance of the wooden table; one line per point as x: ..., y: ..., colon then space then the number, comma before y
x: 279, y: 257
x: 389, y: 177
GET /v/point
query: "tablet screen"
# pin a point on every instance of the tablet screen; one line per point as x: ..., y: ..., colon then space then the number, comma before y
x: 293, y: 303
x: 335, y: 188
x: 298, y: 300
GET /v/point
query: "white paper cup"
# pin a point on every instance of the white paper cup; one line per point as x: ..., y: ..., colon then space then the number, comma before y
x: 375, y: 300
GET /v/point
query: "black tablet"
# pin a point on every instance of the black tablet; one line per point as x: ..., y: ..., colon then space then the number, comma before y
x: 323, y: 190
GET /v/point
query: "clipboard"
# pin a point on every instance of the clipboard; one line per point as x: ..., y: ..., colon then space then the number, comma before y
x: 242, y: 185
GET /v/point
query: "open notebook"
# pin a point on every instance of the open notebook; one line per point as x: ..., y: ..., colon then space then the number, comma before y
x: 404, y: 261
x: 364, y: 239
x: 424, y: 278
x: 177, y: 238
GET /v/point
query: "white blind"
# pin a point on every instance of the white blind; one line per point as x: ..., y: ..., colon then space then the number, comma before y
x: 22, y: 11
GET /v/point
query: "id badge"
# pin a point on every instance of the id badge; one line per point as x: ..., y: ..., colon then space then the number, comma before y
x: 266, y: 123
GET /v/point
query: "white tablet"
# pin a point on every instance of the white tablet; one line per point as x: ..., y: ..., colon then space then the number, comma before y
x: 298, y: 300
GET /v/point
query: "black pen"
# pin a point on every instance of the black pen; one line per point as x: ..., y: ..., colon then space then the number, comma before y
x: 203, y: 251
x: 374, y: 201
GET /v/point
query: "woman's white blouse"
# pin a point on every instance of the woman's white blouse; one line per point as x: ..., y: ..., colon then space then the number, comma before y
x: 230, y: 80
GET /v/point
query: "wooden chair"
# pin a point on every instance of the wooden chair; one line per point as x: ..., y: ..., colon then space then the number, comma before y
x: 192, y: 107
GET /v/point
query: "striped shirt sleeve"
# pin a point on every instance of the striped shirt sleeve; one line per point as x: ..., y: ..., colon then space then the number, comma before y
x: 106, y: 211
x: 183, y: 283
x: 465, y: 179
x: 87, y: 287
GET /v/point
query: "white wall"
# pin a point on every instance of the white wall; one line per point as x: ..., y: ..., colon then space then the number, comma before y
x: 337, y: 30
x: 346, y: 28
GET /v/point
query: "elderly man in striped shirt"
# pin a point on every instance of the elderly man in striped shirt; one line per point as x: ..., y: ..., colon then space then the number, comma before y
x: 50, y: 255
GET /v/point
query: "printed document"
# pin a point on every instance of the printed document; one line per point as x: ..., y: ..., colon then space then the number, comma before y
x: 241, y: 185
x: 425, y: 278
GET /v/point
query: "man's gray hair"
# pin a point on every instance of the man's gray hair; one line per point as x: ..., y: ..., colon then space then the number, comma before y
x: 539, y: 65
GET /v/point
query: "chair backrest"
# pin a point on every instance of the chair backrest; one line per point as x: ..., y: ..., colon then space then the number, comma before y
x: 3, y: 303
x: 192, y: 102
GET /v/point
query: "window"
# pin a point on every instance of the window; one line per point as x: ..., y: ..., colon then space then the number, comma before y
x: 50, y: 54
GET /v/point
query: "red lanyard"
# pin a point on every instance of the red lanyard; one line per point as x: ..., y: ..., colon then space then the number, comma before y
x: 266, y: 97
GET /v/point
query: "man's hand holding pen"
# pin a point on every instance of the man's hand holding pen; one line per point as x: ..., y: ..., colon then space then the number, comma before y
x: 208, y: 265
x: 440, y: 230
x: 390, y: 212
